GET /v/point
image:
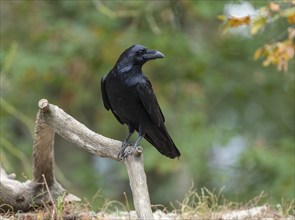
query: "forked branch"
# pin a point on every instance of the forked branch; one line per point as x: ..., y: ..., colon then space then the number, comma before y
x: 50, y: 120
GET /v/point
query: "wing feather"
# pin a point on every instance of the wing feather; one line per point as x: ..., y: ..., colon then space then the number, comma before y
x: 104, y: 94
x: 105, y: 98
x: 150, y: 103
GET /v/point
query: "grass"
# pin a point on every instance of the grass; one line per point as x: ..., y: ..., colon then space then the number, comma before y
x: 204, y: 205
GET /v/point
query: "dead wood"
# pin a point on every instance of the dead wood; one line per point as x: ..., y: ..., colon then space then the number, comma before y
x: 51, y: 119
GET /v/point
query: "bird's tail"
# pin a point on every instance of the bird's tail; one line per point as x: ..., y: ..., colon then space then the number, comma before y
x: 159, y: 138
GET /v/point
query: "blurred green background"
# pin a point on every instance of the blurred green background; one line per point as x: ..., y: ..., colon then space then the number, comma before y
x: 231, y: 118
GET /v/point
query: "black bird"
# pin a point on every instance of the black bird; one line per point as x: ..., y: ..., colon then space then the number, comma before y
x: 129, y: 95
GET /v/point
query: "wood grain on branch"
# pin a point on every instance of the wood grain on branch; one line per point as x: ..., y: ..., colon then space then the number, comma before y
x: 77, y: 133
x: 50, y: 120
x: 138, y: 183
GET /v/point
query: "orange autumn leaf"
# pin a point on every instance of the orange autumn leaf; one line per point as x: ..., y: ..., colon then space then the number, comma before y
x: 258, y: 23
x: 274, y: 7
x: 291, y: 18
x: 285, y: 52
x: 235, y: 21
x: 221, y: 17
x: 290, y: 14
x: 278, y: 53
x: 232, y: 22
x: 260, y: 52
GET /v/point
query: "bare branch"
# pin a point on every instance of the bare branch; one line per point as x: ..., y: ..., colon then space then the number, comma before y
x: 43, y: 151
x: 77, y: 133
x: 138, y: 184
x: 51, y: 119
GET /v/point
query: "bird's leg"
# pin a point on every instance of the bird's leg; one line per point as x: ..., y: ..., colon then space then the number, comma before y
x: 137, y: 141
x: 134, y: 146
x: 125, y: 143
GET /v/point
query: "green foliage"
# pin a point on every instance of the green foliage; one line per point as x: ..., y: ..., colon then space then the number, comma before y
x: 266, y: 166
x: 209, y: 87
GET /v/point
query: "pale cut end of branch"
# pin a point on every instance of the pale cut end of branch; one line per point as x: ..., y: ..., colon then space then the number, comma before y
x: 43, y: 104
x: 138, y: 151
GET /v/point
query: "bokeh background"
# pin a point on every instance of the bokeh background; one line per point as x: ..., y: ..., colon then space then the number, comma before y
x: 231, y: 118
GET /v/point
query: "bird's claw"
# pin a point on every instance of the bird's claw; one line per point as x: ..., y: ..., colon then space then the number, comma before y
x: 122, y: 155
x: 124, y: 152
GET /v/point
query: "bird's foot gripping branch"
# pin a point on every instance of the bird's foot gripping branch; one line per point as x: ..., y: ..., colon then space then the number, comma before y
x: 21, y: 196
x: 130, y: 150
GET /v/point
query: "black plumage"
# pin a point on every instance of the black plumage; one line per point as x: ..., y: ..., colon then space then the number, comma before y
x: 129, y: 95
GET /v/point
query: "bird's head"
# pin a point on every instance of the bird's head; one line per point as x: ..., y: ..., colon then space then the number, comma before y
x: 137, y: 55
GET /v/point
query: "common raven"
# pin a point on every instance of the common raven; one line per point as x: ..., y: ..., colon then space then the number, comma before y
x: 128, y: 93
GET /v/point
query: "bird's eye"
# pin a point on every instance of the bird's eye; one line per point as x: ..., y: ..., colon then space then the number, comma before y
x: 140, y: 52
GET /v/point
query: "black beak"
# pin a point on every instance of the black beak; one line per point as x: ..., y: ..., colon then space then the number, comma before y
x: 153, y: 54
